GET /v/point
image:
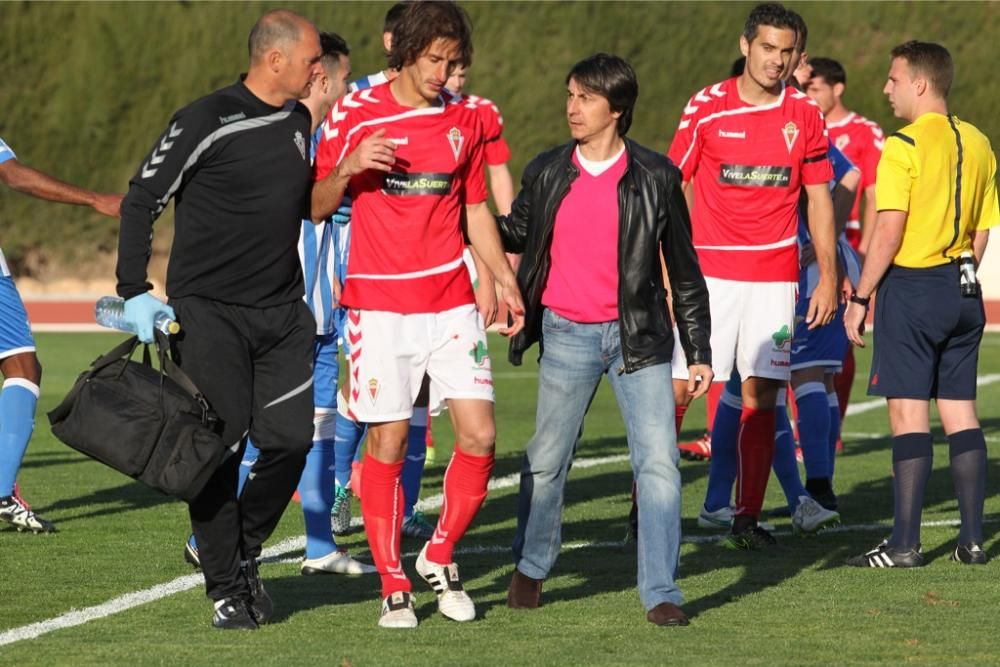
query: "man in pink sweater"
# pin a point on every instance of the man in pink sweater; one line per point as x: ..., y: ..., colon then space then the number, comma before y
x: 593, y: 220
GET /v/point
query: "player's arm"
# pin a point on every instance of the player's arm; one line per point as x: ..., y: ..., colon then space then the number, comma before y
x: 485, y: 240
x: 167, y: 165
x: 501, y: 187
x: 843, y: 200
x: 31, y: 181
x: 819, y: 217
x: 374, y: 152
x: 483, y: 285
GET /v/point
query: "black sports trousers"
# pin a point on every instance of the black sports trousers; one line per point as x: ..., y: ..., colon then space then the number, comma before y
x: 254, y: 366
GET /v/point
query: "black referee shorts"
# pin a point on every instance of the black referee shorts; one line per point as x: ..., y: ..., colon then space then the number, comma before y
x: 927, y: 336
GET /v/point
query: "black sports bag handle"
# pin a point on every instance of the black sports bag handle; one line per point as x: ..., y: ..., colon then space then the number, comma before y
x: 125, y: 350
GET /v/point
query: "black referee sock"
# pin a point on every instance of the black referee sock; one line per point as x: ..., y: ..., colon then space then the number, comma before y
x: 968, y: 471
x: 912, y: 459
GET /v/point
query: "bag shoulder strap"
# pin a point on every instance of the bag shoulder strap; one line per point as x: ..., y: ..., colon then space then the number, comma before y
x: 169, y: 368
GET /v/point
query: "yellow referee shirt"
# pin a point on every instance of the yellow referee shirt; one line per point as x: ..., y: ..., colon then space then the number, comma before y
x: 942, y: 172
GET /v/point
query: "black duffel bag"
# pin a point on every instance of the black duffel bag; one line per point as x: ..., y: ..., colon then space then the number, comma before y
x: 151, y: 424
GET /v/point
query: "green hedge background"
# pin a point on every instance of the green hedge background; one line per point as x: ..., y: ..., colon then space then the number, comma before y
x: 87, y: 86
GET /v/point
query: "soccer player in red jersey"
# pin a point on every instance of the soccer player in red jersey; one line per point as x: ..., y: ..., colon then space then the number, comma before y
x: 747, y: 146
x: 411, y: 156
x: 861, y: 140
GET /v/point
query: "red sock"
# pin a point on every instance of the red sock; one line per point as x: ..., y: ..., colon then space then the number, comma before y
x: 679, y: 412
x: 464, y: 492
x: 711, y: 403
x: 843, y: 381
x: 382, y: 509
x: 755, y: 452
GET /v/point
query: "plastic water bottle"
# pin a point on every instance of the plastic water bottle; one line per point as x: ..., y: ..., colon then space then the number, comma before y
x: 109, y: 311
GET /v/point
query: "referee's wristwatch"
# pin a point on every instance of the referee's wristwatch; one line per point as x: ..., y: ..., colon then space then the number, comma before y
x: 861, y: 301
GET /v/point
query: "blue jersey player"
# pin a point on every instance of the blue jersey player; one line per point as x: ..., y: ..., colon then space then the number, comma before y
x: 18, y: 362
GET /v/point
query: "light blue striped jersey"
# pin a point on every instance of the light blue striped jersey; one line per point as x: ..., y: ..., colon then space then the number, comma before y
x: 5, y: 154
x: 368, y: 81
x: 316, y: 254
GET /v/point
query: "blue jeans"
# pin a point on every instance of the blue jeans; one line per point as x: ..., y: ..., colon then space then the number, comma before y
x: 574, y: 359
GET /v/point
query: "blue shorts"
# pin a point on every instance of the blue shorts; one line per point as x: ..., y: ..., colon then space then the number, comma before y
x: 15, y: 331
x: 926, y: 336
x: 326, y: 370
x: 824, y: 346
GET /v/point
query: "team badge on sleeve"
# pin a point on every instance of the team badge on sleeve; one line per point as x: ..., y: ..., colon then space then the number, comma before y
x: 455, y: 139
x: 790, y: 132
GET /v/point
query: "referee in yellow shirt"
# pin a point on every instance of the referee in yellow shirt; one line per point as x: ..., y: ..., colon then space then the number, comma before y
x: 936, y: 196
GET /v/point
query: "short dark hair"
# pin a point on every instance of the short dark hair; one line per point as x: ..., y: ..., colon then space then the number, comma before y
x: 425, y: 21
x: 276, y: 28
x: 332, y: 47
x: 612, y: 78
x: 770, y: 14
x: 931, y: 60
x: 392, y: 16
x: 829, y: 70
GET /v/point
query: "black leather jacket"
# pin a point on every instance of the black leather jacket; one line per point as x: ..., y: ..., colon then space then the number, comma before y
x: 653, y: 216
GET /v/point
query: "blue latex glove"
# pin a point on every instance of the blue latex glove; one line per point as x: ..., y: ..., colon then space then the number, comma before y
x: 141, y: 312
x: 342, y: 215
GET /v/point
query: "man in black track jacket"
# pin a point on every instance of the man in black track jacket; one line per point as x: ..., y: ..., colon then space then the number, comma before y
x: 237, y: 164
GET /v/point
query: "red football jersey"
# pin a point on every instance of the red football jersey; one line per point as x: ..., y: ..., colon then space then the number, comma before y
x: 495, y: 146
x: 748, y: 164
x: 406, y: 237
x: 861, y: 140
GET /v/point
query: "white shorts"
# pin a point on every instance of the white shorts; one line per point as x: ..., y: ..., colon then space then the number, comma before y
x: 390, y: 353
x: 752, y: 326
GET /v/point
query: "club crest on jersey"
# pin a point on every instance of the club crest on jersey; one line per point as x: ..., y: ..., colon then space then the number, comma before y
x: 300, y: 143
x: 373, y: 389
x: 790, y: 132
x: 842, y: 141
x: 455, y: 140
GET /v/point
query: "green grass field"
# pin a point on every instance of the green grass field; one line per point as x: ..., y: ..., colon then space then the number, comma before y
x: 88, y: 86
x: 794, y: 604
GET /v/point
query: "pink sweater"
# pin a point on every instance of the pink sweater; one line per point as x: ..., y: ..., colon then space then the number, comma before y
x: 583, y: 279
